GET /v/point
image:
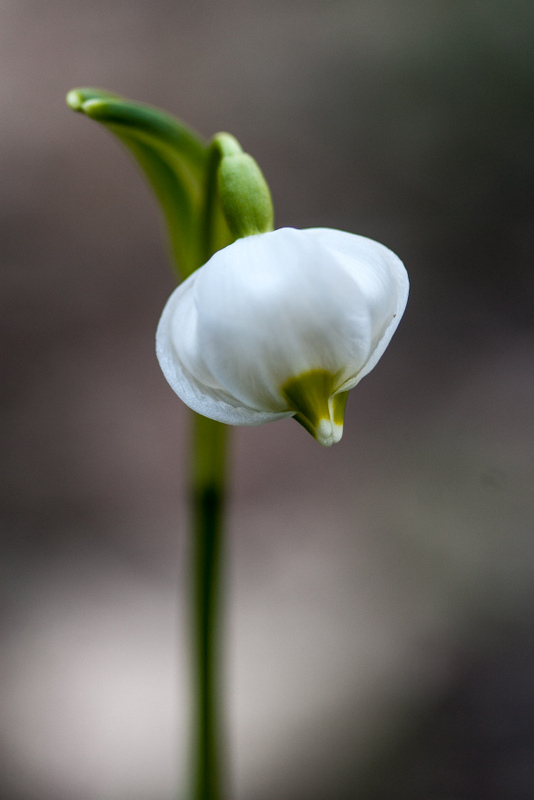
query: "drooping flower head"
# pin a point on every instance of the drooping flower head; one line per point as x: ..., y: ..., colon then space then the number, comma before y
x: 282, y: 324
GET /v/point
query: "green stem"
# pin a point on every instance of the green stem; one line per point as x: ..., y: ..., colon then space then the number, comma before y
x: 208, y: 490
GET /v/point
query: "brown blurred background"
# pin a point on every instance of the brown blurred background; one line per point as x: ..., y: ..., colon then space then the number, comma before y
x: 380, y: 611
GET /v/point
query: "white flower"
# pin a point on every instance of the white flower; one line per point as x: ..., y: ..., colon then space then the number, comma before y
x: 282, y: 324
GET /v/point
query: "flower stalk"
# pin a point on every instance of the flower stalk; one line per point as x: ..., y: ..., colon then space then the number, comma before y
x: 208, y: 487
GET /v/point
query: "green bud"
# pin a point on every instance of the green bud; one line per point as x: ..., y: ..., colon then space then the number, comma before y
x: 243, y: 191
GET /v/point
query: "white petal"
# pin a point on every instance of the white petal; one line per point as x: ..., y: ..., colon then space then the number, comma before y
x: 383, y: 279
x: 281, y: 305
x: 274, y: 306
x: 204, y: 397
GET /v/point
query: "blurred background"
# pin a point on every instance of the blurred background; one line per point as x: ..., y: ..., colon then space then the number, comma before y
x: 380, y: 594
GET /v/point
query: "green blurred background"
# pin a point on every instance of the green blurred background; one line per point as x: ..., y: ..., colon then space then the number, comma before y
x: 380, y: 603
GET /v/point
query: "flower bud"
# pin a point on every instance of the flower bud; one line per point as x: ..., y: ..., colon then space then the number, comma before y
x: 243, y: 191
x: 282, y: 324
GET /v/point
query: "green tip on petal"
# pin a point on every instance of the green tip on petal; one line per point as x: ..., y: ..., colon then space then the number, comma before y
x: 317, y: 408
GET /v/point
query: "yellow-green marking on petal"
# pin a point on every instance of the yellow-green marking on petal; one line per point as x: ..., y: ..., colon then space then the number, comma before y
x: 318, y: 409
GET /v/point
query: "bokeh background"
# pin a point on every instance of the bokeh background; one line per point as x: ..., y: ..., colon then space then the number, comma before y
x: 380, y: 603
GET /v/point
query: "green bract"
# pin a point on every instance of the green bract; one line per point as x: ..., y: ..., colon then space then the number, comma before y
x: 210, y: 193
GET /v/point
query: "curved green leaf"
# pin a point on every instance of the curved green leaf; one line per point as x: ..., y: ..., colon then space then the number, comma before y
x: 173, y: 158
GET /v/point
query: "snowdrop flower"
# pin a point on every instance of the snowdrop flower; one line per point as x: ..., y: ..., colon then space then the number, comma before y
x: 282, y: 324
